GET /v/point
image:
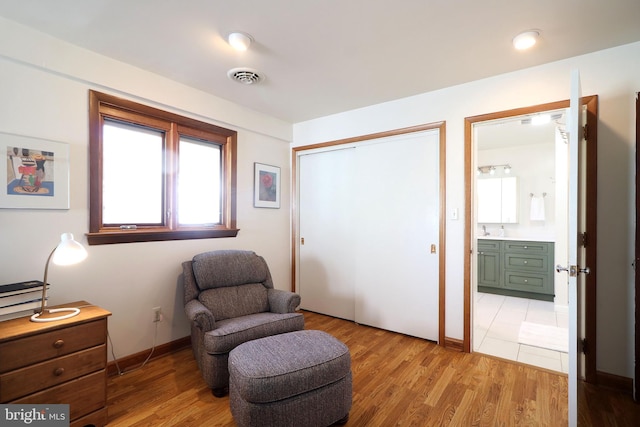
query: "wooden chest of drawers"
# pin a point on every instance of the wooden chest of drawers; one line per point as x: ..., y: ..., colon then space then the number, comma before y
x: 58, y: 362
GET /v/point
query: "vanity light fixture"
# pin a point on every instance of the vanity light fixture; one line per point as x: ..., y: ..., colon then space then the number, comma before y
x: 526, y: 39
x: 240, y: 41
x: 491, y: 169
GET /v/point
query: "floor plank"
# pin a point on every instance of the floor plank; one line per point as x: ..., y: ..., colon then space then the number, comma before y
x: 397, y: 380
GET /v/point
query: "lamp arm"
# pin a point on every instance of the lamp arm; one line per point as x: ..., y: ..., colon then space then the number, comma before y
x: 44, y: 282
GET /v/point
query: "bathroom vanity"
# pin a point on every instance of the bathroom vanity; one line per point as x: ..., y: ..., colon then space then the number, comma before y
x: 520, y: 268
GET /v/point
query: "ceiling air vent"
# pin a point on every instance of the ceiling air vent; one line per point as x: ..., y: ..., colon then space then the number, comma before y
x: 245, y: 76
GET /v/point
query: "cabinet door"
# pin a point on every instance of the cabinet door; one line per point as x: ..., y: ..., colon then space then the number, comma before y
x: 489, y: 269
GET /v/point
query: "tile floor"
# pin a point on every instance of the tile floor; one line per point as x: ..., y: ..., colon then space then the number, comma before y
x: 497, y: 322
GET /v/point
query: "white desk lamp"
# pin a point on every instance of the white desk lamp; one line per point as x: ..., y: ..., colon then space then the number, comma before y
x: 67, y: 252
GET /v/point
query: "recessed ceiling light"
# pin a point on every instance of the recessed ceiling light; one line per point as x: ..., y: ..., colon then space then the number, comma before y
x: 526, y: 39
x: 240, y: 41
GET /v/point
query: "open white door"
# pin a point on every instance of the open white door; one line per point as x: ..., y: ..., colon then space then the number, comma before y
x: 575, y: 264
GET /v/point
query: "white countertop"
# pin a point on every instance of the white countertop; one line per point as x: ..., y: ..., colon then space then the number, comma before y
x: 524, y: 239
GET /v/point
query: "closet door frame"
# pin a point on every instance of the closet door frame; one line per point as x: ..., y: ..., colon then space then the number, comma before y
x: 296, y: 151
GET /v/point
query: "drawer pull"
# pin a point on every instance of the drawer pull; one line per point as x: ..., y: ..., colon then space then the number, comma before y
x: 58, y: 343
x: 58, y: 372
x: 526, y: 247
x: 526, y: 280
x: 526, y: 262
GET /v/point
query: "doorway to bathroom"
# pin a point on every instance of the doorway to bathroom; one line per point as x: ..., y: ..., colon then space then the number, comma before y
x: 586, y: 236
x: 520, y: 206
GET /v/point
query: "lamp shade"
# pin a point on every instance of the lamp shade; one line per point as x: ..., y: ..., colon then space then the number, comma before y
x: 68, y: 251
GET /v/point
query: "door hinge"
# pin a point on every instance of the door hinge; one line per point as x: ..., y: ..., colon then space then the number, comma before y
x: 585, y: 132
x: 583, y: 239
x: 585, y: 346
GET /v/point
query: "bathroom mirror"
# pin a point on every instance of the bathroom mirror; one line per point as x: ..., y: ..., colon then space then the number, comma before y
x: 497, y: 200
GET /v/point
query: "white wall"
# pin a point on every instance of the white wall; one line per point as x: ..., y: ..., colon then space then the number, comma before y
x: 614, y: 75
x: 44, y: 92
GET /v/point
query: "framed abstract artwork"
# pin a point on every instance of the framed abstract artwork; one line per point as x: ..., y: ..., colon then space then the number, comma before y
x: 266, y: 186
x: 36, y: 173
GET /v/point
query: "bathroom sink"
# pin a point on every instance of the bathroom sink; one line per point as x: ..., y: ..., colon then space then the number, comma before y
x: 526, y: 239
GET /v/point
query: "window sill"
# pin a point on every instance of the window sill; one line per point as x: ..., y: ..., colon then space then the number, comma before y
x: 133, y: 236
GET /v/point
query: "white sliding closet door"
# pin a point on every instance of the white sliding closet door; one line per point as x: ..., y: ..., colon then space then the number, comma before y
x: 368, y: 217
x: 398, y: 210
x: 326, y: 247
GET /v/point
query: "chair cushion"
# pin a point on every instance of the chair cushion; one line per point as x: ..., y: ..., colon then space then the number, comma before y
x: 230, y: 333
x: 282, y: 366
x: 235, y: 301
x: 217, y: 269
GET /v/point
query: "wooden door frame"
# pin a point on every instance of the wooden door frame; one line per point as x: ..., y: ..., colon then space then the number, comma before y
x: 590, y: 280
x: 636, y: 387
x: 442, y: 127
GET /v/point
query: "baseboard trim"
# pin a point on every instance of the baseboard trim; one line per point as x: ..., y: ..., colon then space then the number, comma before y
x: 615, y: 382
x: 453, y: 344
x: 134, y: 361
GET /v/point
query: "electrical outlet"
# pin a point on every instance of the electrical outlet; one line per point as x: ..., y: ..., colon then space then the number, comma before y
x: 157, y: 314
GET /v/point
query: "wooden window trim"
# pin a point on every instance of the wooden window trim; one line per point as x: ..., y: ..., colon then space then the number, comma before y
x: 103, y: 105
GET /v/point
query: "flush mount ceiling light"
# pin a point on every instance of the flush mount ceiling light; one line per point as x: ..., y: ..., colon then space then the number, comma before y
x: 240, y: 41
x: 245, y: 76
x: 526, y: 40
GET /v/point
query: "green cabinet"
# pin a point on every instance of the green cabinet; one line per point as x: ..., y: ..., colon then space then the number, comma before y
x: 489, y: 265
x: 516, y: 268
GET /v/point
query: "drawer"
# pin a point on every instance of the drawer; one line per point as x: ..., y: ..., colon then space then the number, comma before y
x: 43, y: 375
x: 526, y: 262
x: 528, y: 282
x: 488, y: 245
x: 83, y: 395
x: 37, y: 348
x: 527, y: 247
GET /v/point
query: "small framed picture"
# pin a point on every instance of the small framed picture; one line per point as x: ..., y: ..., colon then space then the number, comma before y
x: 266, y: 186
x: 36, y: 171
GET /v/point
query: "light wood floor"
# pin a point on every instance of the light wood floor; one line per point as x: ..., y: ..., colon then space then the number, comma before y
x: 397, y: 380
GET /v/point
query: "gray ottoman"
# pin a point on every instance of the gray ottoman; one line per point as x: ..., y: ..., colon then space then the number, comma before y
x: 296, y: 379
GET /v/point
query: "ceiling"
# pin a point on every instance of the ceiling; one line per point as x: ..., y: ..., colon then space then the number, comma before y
x: 324, y: 57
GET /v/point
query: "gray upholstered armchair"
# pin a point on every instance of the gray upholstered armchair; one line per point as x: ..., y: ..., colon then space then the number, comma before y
x: 229, y: 299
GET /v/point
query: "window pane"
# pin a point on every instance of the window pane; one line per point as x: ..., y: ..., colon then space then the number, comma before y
x: 199, y: 182
x: 132, y: 174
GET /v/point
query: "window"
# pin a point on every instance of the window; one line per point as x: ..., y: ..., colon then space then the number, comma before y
x: 155, y: 175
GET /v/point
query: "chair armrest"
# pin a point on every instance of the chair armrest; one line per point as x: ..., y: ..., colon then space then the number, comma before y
x: 282, y: 301
x: 200, y: 315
